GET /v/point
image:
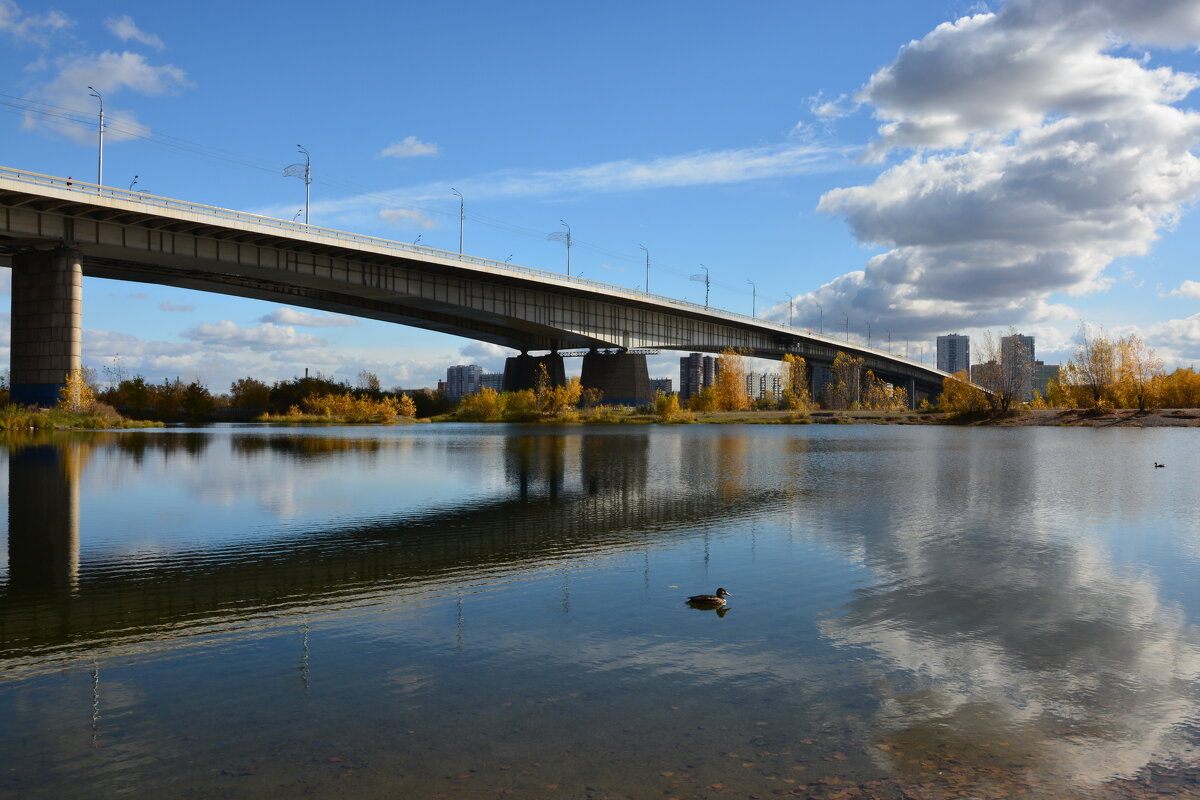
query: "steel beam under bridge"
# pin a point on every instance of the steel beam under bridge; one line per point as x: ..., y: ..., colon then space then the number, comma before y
x: 111, y: 233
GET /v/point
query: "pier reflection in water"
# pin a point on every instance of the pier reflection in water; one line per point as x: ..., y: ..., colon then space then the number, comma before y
x: 484, y: 609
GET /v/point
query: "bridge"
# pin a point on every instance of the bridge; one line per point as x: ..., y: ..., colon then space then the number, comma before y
x: 53, y: 231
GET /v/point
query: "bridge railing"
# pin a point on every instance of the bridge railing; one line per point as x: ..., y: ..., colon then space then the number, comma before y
x: 299, y: 228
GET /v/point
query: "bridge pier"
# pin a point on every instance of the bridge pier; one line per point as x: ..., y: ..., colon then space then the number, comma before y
x: 521, y: 372
x: 47, y: 323
x: 623, y: 377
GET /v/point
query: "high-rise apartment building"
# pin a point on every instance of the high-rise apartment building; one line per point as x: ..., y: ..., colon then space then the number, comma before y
x: 1016, y: 359
x: 462, y: 380
x: 696, y: 371
x: 953, y: 353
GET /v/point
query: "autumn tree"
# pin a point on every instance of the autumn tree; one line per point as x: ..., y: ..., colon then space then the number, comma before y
x: 249, y: 393
x: 1137, y: 369
x: 796, y: 395
x: 368, y: 382
x: 76, y: 395
x: 960, y: 396
x: 844, y: 389
x: 1006, y: 370
x: 1093, y: 366
x: 729, y: 392
x: 1180, y: 389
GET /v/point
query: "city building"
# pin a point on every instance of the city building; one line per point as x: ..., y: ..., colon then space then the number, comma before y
x: 462, y: 380
x: 696, y: 371
x: 953, y: 353
x: 660, y: 385
x: 761, y: 385
x: 1016, y: 359
x: 492, y: 380
x: 1042, y: 375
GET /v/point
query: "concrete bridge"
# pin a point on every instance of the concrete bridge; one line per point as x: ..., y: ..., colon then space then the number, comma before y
x: 54, y: 231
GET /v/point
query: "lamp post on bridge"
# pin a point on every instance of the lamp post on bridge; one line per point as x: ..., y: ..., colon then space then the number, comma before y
x: 100, y: 159
x: 790, y: 301
x: 462, y: 217
x: 568, y: 227
x: 304, y: 173
x: 703, y: 279
x: 753, y: 299
x: 647, y: 266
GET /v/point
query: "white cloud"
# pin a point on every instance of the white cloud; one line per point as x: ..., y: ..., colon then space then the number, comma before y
x: 125, y: 30
x: 1187, y: 289
x: 410, y: 147
x: 308, y: 319
x: 490, y: 356
x: 267, y: 336
x: 110, y: 73
x: 33, y: 29
x: 690, y: 169
x: 1043, y: 156
x: 167, y: 305
x: 406, y: 218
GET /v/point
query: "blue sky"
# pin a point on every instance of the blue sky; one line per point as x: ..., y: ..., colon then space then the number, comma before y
x: 922, y: 167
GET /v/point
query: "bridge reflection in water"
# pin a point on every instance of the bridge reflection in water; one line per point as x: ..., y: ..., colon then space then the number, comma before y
x: 564, y: 497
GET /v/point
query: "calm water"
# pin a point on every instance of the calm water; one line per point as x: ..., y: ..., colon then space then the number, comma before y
x: 481, y: 611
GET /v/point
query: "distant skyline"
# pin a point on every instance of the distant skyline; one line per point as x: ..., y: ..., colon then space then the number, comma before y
x: 921, y: 168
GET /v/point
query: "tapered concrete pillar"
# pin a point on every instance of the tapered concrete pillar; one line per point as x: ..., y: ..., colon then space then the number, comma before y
x: 521, y: 372
x: 47, y: 320
x: 623, y: 377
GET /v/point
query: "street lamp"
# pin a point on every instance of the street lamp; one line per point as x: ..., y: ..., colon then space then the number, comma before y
x: 753, y: 299
x: 568, y: 227
x: 821, y: 327
x: 647, y: 266
x: 462, y: 216
x: 100, y: 160
x: 304, y: 173
x: 133, y: 183
x: 703, y: 279
x: 846, y: 322
x: 790, y: 300
x: 868, y: 334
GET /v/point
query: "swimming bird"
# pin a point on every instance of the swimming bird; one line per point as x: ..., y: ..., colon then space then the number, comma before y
x: 1158, y: 465
x: 709, y: 600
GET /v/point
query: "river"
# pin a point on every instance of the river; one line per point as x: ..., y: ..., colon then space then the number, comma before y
x: 489, y: 610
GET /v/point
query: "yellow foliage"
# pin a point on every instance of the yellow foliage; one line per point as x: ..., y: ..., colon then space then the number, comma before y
x: 486, y: 405
x: 729, y: 393
x: 556, y: 400
x: 76, y: 395
x: 667, y: 409
x: 879, y: 395
x: 360, y: 408
x: 796, y: 395
x: 704, y: 400
x: 960, y: 396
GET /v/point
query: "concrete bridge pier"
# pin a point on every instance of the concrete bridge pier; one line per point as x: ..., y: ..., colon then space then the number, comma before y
x: 623, y: 377
x: 47, y: 319
x: 521, y: 372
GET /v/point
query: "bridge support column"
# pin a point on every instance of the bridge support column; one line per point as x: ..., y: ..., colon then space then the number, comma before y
x: 47, y: 323
x: 521, y: 372
x: 912, y: 394
x: 623, y: 377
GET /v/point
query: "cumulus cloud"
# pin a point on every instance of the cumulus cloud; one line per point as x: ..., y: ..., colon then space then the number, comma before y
x: 267, y: 336
x: 484, y: 353
x: 407, y: 218
x: 410, y: 147
x: 110, y: 73
x: 1187, y: 289
x: 34, y: 29
x: 1041, y: 153
x: 126, y: 30
x: 167, y: 305
x: 308, y: 319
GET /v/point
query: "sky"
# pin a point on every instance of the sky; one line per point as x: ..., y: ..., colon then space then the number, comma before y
x: 900, y: 170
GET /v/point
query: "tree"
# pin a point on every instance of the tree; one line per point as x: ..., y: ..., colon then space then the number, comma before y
x: 197, y: 402
x: 249, y: 393
x: 796, y: 395
x: 1006, y: 371
x: 729, y: 393
x: 845, y: 387
x: 1137, y: 369
x: 960, y: 396
x: 76, y: 395
x: 1094, y: 365
x: 368, y: 382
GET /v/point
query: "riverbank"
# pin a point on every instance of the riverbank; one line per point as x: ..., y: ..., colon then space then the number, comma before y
x: 1093, y: 418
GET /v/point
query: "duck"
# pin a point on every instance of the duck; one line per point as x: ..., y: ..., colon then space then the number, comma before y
x: 709, y: 600
x: 1158, y: 465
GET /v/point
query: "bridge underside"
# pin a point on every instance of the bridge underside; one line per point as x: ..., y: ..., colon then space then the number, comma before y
x: 107, y: 237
